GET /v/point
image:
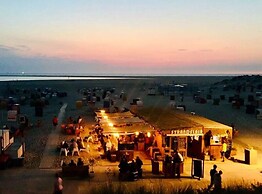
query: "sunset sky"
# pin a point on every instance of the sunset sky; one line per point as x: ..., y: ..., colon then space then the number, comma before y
x: 131, y: 37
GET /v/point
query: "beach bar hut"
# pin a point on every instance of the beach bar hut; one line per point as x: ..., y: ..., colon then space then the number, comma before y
x: 218, y: 133
x: 174, y: 133
x: 185, y: 132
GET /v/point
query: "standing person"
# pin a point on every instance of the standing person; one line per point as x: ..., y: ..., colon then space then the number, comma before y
x: 58, y: 185
x: 207, y: 139
x: 55, y: 121
x: 229, y: 144
x: 218, y: 182
x: 223, y: 151
x: 213, y: 171
x: 177, y: 160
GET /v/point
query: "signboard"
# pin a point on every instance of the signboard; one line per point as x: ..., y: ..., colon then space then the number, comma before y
x: 197, y: 169
x: 11, y: 115
x: 186, y: 132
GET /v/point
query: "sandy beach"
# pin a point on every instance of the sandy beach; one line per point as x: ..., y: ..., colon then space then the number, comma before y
x: 36, y: 137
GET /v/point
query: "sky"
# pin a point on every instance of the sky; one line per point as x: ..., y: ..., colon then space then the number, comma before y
x: 131, y: 37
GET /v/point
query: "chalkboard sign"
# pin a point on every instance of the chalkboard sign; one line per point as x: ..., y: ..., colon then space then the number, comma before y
x: 197, y: 169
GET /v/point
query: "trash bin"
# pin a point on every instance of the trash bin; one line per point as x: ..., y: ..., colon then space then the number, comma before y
x: 155, y: 167
x: 250, y: 156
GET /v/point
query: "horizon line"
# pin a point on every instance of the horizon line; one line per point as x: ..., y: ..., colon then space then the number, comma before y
x: 114, y: 75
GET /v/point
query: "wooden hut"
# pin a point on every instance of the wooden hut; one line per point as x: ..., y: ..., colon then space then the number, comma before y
x: 184, y: 132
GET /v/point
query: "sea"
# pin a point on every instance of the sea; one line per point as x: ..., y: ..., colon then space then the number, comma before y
x: 64, y: 77
x: 34, y: 77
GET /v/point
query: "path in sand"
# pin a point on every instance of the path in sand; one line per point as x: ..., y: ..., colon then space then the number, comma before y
x: 50, y: 154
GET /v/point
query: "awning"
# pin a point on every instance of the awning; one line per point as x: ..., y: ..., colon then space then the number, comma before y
x: 126, y: 114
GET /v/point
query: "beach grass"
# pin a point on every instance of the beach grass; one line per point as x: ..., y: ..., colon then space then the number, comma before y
x: 240, y: 188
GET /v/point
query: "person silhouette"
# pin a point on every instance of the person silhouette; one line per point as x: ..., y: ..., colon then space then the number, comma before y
x: 55, y: 121
x: 213, y: 171
x: 218, y: 182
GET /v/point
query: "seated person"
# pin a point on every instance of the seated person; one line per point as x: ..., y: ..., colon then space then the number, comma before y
x: 72, y: 163
x: 63, y: 163
x: 73, y: 145
x: 64, y: 144
x: 89, y: 138
x: 139, y: 163
x: 123, y: 165
x: 80, y: 162
x: 132, y: 166
x: 80, y: 144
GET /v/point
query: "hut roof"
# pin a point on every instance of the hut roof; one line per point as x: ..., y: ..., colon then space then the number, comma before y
x: 166, y: 119
x: 174, y: 119
x: 207, y: 123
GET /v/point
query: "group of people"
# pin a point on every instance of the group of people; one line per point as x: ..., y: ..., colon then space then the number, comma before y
x: 108, y: 142
x: 126, y: 167
x: 215, y: 179
x: 72, y: 126
x: 79, y: 162
x: 175, y: 159
x: 75, y: 144
x: 226, y: 142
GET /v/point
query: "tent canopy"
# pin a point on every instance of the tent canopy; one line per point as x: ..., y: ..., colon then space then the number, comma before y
x: 126, y: 114
x: 121, y: 121
x: 127, y: 129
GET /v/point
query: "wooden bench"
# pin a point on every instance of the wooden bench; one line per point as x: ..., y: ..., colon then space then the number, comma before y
x: 82, y: 171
